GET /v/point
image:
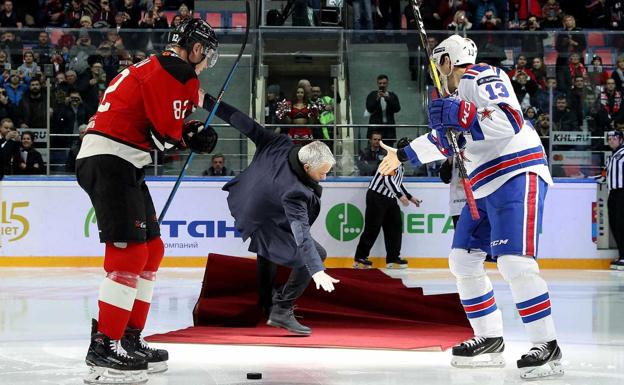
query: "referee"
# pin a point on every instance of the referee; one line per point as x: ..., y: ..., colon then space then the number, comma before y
x: 615, y: 202
x: 382, y: 211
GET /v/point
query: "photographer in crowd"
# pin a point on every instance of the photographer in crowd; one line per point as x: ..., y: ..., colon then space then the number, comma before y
x: 382, y: 105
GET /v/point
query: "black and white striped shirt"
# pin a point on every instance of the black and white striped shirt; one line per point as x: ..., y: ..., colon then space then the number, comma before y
x: 615, y: 170
x: 390, y: 186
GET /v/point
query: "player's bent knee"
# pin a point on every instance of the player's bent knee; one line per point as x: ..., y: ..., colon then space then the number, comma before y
x: 130, y: 259
x: 465, y: 264
x: 156, y: 252
x: 513, y: 267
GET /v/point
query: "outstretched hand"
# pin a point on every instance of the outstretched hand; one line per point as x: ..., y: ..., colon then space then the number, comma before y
x: 390, y: 162
x: 324, y: 280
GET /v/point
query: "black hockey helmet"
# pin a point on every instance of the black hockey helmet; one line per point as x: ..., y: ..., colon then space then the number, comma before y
x: 192, y: 31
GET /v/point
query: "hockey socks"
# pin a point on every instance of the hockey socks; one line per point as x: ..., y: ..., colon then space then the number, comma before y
x: 477, y: 298
x: 118, y: 291
x: 530, y: 293
x: 117, y: 295
x: 476, y: 293
x: 140, y: 309
x: 145, y: 284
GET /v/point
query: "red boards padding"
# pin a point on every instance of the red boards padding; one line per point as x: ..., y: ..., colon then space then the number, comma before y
x: 368, y: 309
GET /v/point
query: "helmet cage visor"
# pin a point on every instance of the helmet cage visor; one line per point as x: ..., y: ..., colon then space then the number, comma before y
x: 212, y: 56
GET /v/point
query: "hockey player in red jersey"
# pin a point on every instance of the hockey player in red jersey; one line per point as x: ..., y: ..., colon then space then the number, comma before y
x: 143, y: 108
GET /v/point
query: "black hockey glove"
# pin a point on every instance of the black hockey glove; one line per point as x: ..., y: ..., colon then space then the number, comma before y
x: 198, y: 138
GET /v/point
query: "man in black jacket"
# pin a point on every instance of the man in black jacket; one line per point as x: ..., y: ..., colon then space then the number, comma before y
x: 9, y: 148
x: 274, y: 202
x: 563, y: 118
x: 567, y: 42
x: 32, y: 107
x: 371, y: 156
x: 382, y: 104
x: 218, y: 167
x: 609, y: 106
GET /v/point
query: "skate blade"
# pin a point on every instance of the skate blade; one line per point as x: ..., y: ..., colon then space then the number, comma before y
x: 395, y: 266
x: 488, y: 360
x: 156, y: 367
x: 549, y: 369
x: 106, y: 376
x: 358, y: 265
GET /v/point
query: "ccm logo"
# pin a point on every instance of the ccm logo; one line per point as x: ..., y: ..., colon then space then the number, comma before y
x: 499, y: 242
x: 465, y: 113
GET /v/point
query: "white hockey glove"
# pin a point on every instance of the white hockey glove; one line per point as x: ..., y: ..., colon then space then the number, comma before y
x: 322, y: 279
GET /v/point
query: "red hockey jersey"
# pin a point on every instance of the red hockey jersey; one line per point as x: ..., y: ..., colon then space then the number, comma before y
x: 143, y: 108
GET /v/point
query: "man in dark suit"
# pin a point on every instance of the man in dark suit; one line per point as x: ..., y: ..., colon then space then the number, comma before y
x: 382, y: 104
x: 9, y: 148
x: 274, y: 202
x: 218, y: 167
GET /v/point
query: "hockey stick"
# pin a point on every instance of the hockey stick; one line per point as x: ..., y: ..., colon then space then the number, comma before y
x: 451, y: 135
x: 210, y: 116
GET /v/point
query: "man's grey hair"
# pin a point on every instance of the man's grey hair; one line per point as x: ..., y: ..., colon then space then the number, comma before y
x: 316, y: 154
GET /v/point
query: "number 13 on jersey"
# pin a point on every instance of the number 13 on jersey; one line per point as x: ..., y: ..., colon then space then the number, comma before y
x: 500, y: 92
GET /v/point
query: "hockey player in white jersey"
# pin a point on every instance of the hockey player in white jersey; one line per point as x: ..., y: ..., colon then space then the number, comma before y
x: 509, y: 176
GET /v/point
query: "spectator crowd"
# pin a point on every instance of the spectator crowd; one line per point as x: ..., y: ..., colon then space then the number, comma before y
x: 75, y: 47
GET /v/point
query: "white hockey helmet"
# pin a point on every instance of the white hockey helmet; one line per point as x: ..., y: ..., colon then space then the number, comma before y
x: 460, y: 50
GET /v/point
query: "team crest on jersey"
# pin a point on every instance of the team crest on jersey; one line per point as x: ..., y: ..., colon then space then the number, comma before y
x: 486, y: 114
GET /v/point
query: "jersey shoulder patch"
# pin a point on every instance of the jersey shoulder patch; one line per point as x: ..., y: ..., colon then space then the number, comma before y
x: 178, y: 68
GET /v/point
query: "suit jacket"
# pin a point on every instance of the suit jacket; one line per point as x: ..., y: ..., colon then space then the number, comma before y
x: 224, y: 172
x: 9, y: 157
x: 273, y: 201
x: 33, y: 157
x: 368, y: 161
x: 373, y: 106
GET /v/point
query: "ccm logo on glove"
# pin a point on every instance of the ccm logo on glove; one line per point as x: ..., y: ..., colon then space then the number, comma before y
x: 467, y: 112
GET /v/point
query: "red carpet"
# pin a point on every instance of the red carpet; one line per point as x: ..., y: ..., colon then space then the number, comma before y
x: 368, y: 309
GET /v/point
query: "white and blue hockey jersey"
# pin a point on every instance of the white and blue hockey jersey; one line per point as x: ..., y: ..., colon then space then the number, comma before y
x: 501, y: 144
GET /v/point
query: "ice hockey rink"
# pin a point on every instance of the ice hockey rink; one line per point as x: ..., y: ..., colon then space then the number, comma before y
x: 45, y: 322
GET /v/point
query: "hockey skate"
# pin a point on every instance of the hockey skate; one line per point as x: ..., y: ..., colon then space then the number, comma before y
x: 543, y: 360
x: 479, y: 352
x: 109, y: 363
x: 617, y: 265
x: 396, y: 264
x: 362, y: 263
x: 136, y: 346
